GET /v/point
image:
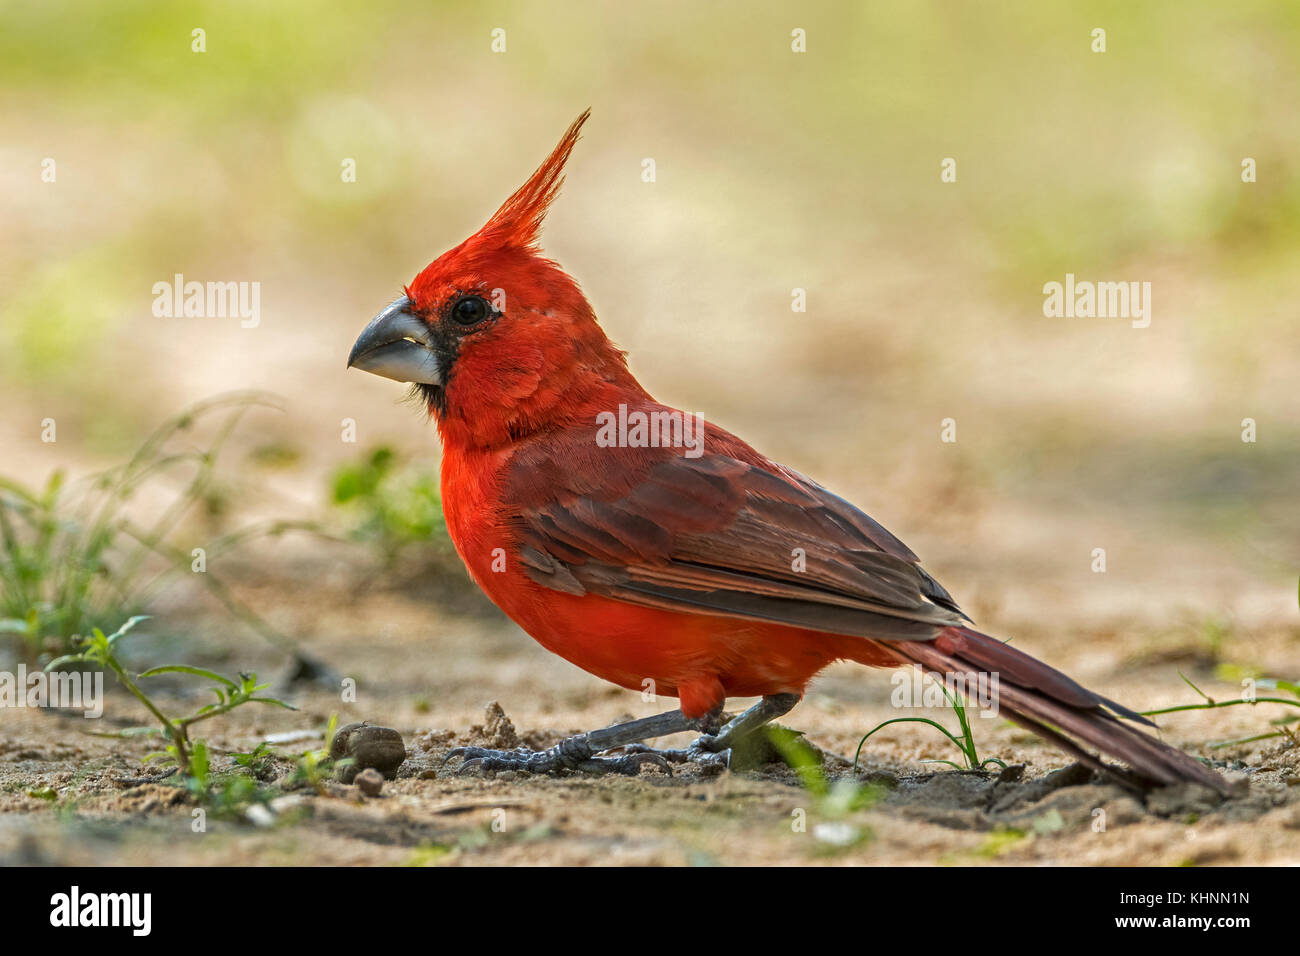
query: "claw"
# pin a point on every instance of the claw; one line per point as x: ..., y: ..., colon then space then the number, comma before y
x: 481, y: 758
x: 695, y: 752
x: 711, y: 753
x: 467, y: 752
x: 630, y: 764
x: 707, y: 743
x: 673, y: 756
x: 478, y: 759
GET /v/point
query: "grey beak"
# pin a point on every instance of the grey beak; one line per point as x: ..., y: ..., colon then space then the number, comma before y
x: 397, y: 345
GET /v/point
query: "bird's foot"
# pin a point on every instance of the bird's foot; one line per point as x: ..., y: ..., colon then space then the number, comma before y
x: 572, y: 753
x: 709, y: 752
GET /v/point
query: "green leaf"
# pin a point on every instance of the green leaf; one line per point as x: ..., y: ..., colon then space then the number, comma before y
x: 271, y: 700
x: 199, y: 762
x: 186, y: 669
x: 131, y: 622
x: 65, y: 659
x: 251, y: 757
x: 1288, y: 685
x: 1194, y: 687
x: 800, y: 758
x: 127, y: 732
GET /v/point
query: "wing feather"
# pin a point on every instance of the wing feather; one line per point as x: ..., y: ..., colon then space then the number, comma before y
x: 718, y: 535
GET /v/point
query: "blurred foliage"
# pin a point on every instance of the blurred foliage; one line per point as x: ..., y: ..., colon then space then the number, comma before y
x: 1054, y: 142
x: 73, y: 557
x: 47, y: 331
x: 1288, y: 724
x: 275, y: 455
x: 394, y: 506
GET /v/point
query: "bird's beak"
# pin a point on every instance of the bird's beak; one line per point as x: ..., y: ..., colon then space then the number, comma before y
x: 397, y: 345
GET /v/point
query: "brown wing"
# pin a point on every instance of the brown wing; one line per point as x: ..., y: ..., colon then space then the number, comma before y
x: 716, y: 535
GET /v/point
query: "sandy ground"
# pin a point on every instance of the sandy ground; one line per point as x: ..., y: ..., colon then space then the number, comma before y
x: 69, y: 797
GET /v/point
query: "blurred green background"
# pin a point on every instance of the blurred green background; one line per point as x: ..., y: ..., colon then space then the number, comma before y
x: 775, y: 170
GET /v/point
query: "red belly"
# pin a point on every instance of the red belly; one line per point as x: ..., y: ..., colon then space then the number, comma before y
x: 698, y: 658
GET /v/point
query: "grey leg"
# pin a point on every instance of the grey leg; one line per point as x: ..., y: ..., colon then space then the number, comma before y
x: 580, y: 751
x: 714, y: 749
x: 764, y: 712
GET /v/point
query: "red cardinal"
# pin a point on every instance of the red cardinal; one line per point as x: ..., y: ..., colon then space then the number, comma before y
x: 673, y: 561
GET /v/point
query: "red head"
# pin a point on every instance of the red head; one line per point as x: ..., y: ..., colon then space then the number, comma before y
x: 498, y: 339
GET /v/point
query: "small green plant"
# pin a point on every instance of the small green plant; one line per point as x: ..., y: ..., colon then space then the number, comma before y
x: 256, y: 761
x: 314, y: 766
x: 225, y: 794
x: 429, y: 854
x: 1000, y: 841
x: 190, y: 758
x: 393, y: 507
x: 834, y: 802
x: 835, y: 799
x: 965, y: 742
x: 1288, y: 726
x: 71, y: 556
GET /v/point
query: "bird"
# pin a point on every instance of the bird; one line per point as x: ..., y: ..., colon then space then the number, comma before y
x: 654, y: 550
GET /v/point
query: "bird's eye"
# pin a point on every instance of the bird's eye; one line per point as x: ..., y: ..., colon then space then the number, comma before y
x: 469, y: 310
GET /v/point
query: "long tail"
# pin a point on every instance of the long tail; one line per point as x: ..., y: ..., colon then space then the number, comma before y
x: 1057, y: 708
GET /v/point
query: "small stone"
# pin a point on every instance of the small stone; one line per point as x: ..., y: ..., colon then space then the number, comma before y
x: 369, y: 747
x: 837, y: 834
x: 291, y: 803
x: 370, y: 782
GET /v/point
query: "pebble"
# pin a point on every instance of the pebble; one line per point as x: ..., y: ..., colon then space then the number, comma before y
x: 369, y: 781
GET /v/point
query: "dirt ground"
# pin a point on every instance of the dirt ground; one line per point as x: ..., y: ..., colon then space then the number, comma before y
x: 68, y: 797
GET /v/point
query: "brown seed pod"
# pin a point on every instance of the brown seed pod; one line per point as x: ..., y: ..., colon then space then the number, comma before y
x: 380, y: 748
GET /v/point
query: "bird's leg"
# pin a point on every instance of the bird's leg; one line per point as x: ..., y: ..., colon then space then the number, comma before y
x: 580, y: 751
x: 715, y: 748
x: 764, y: 712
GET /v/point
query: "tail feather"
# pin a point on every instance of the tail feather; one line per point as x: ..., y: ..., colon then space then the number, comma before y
x: 1052, y: 705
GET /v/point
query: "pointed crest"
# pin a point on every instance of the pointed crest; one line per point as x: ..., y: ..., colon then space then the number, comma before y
x: 519, y: 220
